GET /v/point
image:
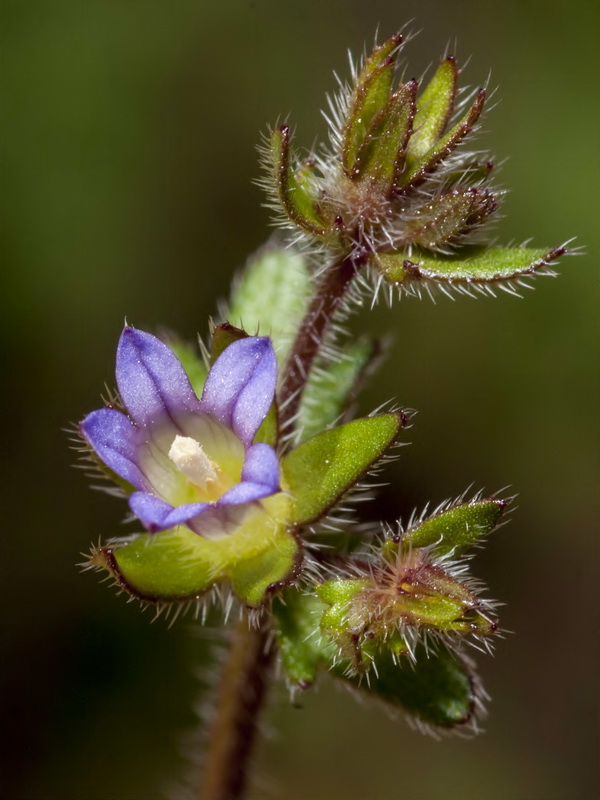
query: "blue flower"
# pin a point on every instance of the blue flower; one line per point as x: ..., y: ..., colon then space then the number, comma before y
x: 190, y: 461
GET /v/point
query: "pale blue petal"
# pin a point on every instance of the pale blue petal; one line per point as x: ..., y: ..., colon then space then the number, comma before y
x: 151, y: 380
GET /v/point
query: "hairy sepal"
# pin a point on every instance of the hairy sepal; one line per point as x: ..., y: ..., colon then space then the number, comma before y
x: 434, y: 108
x: 178, y: 565
x: 448, y: 216
x: 380, y: 160
x: 319, y: 471
x: 426, y: 163
x: 369, y: 96
x: 296, y: 196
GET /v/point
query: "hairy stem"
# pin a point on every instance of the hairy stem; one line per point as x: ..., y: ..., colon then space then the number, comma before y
x: 311, y: 334
x: 240, y: 696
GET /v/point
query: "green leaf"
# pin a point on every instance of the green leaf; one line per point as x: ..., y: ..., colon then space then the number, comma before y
x: 296, y: 620
x: 178, y: 564
x: 471, y: 265
x: 444, y: 146
x: 295, y: 195
x: 381, y: 156
x: 369, y: 96
x: 271, y: 296
x: 434, y: 107
x: 331, y: 388
x: 321, y: 470
x: 439, y: 689
x: 454, y: 529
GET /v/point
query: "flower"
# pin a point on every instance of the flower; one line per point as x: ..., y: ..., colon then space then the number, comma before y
x: 189, y: 461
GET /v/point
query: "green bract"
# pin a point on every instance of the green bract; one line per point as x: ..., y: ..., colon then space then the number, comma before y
x: 295, y: 189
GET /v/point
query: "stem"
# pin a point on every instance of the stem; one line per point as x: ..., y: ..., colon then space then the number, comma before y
x: 312, y: 331
x: 240, y: 696
x: 244, y: 681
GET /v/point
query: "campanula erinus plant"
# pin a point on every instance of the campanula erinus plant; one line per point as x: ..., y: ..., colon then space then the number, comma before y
x: 240, y: 464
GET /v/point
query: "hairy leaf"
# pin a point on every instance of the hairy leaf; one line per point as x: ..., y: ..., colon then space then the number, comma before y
x: 469, y: 266
x: 438, y: 689
x: 455, y: 529
x: 270, y: 297
x: 321, y: 470
x: 331, y: 388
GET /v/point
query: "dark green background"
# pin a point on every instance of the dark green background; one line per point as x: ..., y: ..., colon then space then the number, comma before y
x: 129, y: 154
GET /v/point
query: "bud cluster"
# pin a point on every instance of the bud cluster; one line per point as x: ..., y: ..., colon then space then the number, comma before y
x: 394, y: 189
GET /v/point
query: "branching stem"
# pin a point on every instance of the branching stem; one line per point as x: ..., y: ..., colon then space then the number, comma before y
x: 240, y: 696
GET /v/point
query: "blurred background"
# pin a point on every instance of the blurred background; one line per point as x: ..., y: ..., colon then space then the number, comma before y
x: 129, y: 155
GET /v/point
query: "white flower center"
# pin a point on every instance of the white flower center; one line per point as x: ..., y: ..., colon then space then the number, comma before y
x: 189, y: 457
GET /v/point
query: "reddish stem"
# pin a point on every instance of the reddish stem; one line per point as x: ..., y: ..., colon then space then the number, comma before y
x: 311, y: 334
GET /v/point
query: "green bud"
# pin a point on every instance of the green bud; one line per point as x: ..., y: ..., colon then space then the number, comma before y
x: 436, y: 686
x: 380, y: 159
x: 402, y: 595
